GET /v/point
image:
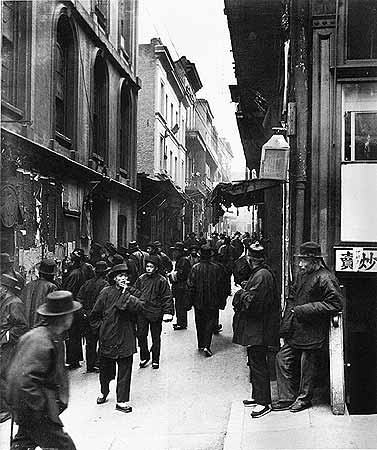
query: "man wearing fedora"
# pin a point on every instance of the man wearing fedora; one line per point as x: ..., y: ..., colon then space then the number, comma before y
x: 138, y: 256
x: 158, y: 307
x: 256, y: 326
x: 315, y: 297
x: 13, y: 324
x: 114, y: 315
x: 206, y: 290
x: 166, y: 265
x: 37, y: 382
x: 87, y: 296
x: 179, y: 287
x: 35, y: 292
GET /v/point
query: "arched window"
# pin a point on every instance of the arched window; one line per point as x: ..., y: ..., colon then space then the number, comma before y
x: 64, y: 79
x: 126, y: 131
x: 100, y: 108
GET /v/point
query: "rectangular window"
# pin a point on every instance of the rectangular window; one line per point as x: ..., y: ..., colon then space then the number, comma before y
x: 9, y: 49
x: 166, y: 107
x: 171, y: 164
x: 162, y: 98
x: 176, y: 118
x: 126, y: 26
x: 361, y: 29
x: 176, y: 175
x: 162, y: 153
x: 101, y: 9
x: 171, y: 115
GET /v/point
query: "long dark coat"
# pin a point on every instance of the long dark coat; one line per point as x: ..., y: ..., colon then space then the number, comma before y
x: 182, y: 267
x: 33, y: 295
x: 206, y: 285
x: 157, y: 296
x: 314, y: 299
x: 257, y: 310
x: 37, y: 378
x: 115, y: 315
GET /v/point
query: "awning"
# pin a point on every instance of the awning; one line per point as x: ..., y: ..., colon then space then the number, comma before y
x: 242, y: 193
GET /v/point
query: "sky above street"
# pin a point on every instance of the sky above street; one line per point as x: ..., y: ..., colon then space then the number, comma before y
x: 198, y: 30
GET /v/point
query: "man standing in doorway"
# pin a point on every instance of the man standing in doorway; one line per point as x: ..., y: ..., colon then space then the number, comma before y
x: 314, y: 299
x: 256, y: 326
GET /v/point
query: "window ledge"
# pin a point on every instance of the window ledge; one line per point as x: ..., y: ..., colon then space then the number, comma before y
x: 63, y: 140
x: 12, y: 109
x: 124, y: 173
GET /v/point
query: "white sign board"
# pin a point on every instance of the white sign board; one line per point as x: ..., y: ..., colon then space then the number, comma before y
x: 356, y: 259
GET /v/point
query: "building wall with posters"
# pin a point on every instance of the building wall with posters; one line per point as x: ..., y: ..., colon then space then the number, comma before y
x: 69, y: 104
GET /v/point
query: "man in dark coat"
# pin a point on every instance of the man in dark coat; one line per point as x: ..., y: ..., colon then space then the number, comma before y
x: 179, y: 287
x: 166, y: 265
x: 13, y: 324
x: 87, y: 296
x: 314, y: 299
x: 138, y: 256
x: 256, y: 326
x: 77, y: 276
x: 191, y: 240
x: 237, y: 244
x: 35, y: 292
x: 7, y: 267
x: 206, y: 294
x: 37, y: 389
x: 158, y: 307
x: 114, y: 314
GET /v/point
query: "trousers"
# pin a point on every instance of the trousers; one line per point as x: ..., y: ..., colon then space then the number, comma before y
x: 143, y: 326
x: 295, y: 372
x: 259, y: 374
x: 91, y: 338
x: 107, y: 371
x: 181, y: 308
x: 205, y: 321
x: 45, y: 434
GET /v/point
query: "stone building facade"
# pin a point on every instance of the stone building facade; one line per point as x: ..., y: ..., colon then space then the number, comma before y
x: 69, y: 105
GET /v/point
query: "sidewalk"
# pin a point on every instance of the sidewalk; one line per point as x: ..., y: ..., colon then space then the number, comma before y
x: 314, y: 428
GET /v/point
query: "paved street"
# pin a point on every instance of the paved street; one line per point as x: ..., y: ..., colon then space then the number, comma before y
x: 184, y: 405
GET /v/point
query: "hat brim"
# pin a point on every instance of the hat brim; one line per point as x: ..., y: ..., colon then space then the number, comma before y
x: 42, y: 310
x: 103, y: 271
x: 117, y: 272
x: 309, y: 256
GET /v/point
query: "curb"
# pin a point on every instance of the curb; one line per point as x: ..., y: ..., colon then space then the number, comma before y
x: 234, y: 432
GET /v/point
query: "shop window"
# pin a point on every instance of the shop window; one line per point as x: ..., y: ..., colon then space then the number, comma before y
x: 126, y: 26
x: 64, y: 80
x: 122, y: 231
x: 126, y: 131
x: 13, y: 61
x: 100, y: 108
x: 362, y: 29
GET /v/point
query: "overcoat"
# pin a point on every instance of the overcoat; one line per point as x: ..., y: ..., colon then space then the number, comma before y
x: 182, y: 267
x: 257, y: 310
x: 156, y: 294
x: 37, y: 378
x: 114, y: 313
x: 314, y: 299
x: 33, y: 295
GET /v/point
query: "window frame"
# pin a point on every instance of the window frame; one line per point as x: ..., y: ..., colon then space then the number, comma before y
x: 100, y: 109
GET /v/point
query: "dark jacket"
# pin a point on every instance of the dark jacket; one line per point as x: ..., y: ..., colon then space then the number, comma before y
x: 241, y: 270
x: 114, y: 314
x: 205, y: 284
x: 37, y: 379
x: 314, y: 299
x: 33, y: 295
x: 13, y: 325
x: 89, y: 292
x: 257, y: 310
x: 166, y: 263
x: 156, y: 294
x: 182, y: 267
x: 238, y: 245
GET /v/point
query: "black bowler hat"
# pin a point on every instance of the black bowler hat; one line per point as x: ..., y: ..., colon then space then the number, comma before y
x: 132, y: 246
x: 206, y: 251
x: 47, y: 267
x: 119, y: 268
x: 310, y: 249
x: 59, y: 303
x: 101, y: 267
x: 256, y: 251
x: 154, y: 259
x: 157, y: 244
x: 116, y: 259
x: 180, y: 246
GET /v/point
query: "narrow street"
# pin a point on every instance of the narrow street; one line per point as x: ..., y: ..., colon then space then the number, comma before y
x: 185, y: 405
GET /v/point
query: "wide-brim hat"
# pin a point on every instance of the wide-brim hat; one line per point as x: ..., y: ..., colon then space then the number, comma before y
x: 310, y: 249
x: 59, y: 303
x: 9, y: 281
x: 256, y: 250
x: 5, y: 259
x: 206, y: 251
x: 116, y: 259
x: 47, y: 267
x: 157, y: 244
x: 110, y: 247
x: 101, y: 267
x: 119, y: 268
x: 180, y: 246
x: 78, y: 253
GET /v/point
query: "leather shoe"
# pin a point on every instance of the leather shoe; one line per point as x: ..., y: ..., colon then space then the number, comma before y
x: 155, y: 365
x: 207, y: 352
x: 251, y: 402
x: 101, y: 400
x: 4, y: 416
x: 218, y: 328
x: 179, y: 327
x: 281, y: 405
x: 125, y: 409
x: 300, y: 406
x: 262, y: 412
x: 143, y: 363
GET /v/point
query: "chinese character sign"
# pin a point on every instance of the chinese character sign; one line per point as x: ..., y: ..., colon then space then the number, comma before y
x: 356, y: 259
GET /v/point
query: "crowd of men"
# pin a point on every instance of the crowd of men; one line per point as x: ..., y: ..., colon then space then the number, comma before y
x: 116, y: 297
